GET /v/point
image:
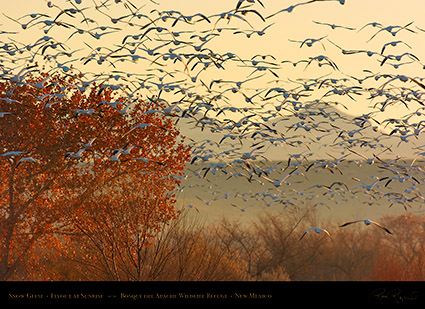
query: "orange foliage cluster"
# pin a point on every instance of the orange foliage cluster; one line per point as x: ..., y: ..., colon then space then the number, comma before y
x: 80, y: 161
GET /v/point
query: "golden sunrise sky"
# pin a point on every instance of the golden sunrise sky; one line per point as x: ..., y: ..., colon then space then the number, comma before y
x: 280, y: 41
x: 296, y: 26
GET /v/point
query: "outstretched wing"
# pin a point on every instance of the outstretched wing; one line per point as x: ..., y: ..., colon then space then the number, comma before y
x: 382, y: 227
x: 348, y: 223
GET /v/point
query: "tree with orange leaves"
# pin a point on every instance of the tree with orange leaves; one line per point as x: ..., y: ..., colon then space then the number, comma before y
x: 82, y: 166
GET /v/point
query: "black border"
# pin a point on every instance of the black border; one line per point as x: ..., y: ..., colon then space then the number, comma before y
x: 217, y: 292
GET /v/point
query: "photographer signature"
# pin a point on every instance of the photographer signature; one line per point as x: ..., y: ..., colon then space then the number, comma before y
x: 392, y: 295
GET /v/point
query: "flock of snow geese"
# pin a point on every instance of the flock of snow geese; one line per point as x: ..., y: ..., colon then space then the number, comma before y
x: 243, y: 113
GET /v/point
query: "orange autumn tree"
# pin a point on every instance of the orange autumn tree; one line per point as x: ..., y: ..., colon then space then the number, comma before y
x: 84, y: 169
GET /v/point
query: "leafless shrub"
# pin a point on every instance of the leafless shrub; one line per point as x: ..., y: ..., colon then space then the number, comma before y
x: 269, y: 249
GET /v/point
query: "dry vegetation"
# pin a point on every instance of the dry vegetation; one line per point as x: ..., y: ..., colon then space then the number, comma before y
x: 268, y: 249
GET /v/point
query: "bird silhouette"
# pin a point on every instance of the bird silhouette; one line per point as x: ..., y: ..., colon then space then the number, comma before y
x: 26, y: 159
x: 317, y: 230
x: 368, y: 222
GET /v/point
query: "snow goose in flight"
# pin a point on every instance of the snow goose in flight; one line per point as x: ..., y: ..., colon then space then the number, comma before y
x: 26, y: 159
x: 141, y: 125
x: 368, y: 222
x: 12, y: 153
x: 333, y: 26
x: 76, y: 155
x: 369, y: 187
x: 317, y: 230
